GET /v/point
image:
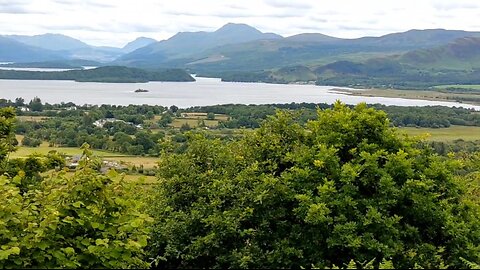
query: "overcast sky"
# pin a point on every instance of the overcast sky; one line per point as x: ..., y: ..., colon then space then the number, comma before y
x: 115, y: 22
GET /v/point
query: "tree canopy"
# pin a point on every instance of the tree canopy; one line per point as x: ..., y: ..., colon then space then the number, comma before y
x: 343, y: 187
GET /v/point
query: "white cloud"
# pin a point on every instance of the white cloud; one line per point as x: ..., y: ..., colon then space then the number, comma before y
x: 115, y: 22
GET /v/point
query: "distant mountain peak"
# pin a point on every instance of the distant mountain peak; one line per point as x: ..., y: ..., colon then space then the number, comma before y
x: 138, y: 43
x: 51, y: 41
x: 236, y: 27
x: 311, y: 37
x: 187, y: 44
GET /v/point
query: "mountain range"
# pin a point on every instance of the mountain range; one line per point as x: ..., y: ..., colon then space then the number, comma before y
x: 56, y: 47
x: 241, y: 52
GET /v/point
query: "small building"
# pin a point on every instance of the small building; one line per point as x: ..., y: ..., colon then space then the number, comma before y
x: 74, y: 161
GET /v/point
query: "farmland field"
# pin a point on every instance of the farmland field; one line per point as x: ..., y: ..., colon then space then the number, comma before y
x: 446, y: 134
x: 463, y: 86
x: 147, y: 162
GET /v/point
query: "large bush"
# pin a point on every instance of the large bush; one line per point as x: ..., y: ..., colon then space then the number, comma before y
x: 82, y: 221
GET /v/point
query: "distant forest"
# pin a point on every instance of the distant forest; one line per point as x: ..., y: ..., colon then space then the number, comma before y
x: 109, y: 74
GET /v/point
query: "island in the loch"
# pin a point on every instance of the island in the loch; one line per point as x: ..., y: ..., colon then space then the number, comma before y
x: 139, y: 90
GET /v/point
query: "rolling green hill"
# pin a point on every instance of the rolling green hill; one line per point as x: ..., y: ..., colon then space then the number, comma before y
x: 462, y: 54
x: 457, y: 62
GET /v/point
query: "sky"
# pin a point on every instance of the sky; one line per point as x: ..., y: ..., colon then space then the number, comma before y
x: 116, y: 22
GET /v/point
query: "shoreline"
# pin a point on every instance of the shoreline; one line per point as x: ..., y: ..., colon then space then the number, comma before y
x: 427, y: 95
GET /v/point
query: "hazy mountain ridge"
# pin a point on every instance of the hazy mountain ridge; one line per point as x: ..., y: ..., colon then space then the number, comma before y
x: 187, y: 44
x: 14, y: 51
x: 58, y: 47
x: 137, y: 44
x: 53, y: 42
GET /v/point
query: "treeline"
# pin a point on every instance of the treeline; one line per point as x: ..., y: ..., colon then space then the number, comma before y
x: 412, y: 79
x: 145, y: 130
x: 110, y: 74
x: 344, y: 190
x: 251, y: 116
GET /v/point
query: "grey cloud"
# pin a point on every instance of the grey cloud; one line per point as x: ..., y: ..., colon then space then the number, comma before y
x: 14, y: 2
x: 237, y: 7
x: 16, y: 7
x: 355, y: 28
x: 92, y: 3
x: 317, y: 19
x: 288, y: 4
x: 236, y: 14
x: 275, y: 15
x: 103, y: 28
x: 14, y: 10
x: 66, y: 27
x: 448, y: 6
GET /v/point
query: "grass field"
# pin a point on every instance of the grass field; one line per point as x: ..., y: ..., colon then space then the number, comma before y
x: 147, y: 162
x: 128, y: 177
x: 220, y: 117
x: 23, y: 118
x: 178, y: 122
x: 69, y: 151
x: 446, y: 134
x: 193, y: 119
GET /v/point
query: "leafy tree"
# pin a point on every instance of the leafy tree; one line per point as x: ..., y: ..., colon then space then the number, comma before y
x: 19, y: 102
x: 173, y: 109
x: 7, y: 120
x: 165, y: 120
x: 143, y: 139
x: 31, y: 142
x: 345, y: 186
x: 36, y: 105
x: 210, y: 116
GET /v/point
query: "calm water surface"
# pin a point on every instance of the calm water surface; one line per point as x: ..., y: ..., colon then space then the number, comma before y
x: 205, y: 91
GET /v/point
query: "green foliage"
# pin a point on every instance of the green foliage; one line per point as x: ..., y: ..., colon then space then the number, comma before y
x: 87, y: 220
x: 165, y: 120
x: 210, y: 116
x: 31, y: 142
x: 7, y: 120
x: 345, y: 186
x: 470, y: 265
